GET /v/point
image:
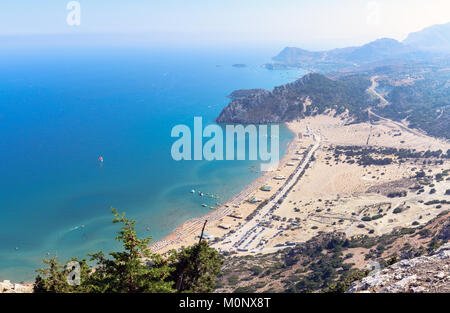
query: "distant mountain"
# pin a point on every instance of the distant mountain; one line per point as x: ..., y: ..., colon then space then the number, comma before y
x: 420, y: 46
x: 435, y: 38
x: 377, y: 50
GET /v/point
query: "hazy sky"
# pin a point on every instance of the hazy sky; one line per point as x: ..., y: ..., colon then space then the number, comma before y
x: 311, y: 24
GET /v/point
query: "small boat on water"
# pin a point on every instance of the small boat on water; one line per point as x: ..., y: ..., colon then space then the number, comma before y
x: 192, y: 191
x: 204, y: 205
x: 100, y: 158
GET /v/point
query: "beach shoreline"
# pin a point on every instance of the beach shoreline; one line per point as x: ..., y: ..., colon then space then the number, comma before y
x: 331, y: 196
x: 182, y: 235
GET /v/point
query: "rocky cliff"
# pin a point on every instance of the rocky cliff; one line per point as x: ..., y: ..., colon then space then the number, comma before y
x: 429, y: 274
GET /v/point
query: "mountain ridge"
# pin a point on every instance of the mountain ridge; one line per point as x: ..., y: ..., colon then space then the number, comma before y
x: 435, y: 38
x: 418, y: 46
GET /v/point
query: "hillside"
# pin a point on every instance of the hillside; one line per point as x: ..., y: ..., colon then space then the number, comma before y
x: 377, y: 50
x: 310, y: 95
x: 436, y: 37
x: 409, y: 83
x: 330, y: 262
x: 415, y: 94
x: 422, y: 101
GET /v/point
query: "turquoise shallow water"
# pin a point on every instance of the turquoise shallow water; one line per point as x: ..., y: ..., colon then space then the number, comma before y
x: 60, y: 109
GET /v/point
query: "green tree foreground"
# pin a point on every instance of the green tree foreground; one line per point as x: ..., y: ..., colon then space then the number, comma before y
x: 136, y: 269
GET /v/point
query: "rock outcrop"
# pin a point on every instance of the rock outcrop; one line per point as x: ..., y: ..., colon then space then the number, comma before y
x: 243, y: 93
x: 7, y: 287
x: 425, y: 274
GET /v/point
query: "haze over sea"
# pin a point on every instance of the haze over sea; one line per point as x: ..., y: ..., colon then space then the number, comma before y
x: 62, y: 108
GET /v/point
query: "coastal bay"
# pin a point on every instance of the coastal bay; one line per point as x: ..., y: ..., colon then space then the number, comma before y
x: 55, y: 196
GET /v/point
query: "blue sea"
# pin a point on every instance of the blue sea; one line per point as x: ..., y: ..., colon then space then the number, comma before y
x: 63, y: 107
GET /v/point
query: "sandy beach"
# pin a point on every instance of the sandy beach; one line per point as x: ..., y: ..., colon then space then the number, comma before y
x: 310, y: 192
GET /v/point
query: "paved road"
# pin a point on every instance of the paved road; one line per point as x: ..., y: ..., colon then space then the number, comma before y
x: 374, y: 85
x: 384, y: 102
x: 238, y: 240
x: 404, y: 127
